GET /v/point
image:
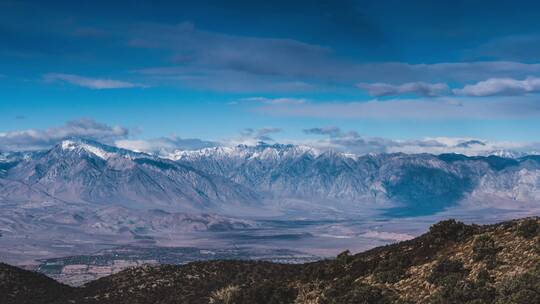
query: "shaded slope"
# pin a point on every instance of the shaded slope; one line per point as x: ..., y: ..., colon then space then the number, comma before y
x: 19, y: 286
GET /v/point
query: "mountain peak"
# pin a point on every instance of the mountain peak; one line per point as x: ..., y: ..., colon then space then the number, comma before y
x: 92, y: 147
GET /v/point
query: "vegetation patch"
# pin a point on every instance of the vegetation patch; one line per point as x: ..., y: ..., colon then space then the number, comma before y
x: 446, y: 272
x: 484, y: 249
x: 529, y: 228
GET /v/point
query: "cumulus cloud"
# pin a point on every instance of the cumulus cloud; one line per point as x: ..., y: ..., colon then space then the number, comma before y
x: 416, y: 88
x: 460, y: 145
x: 347, y: 141
x: 37, y: 139
x: 489, y: 87
x: 352, y: 142
x: 501, y: 86
x: 262, y: 134
x: 164, y: 145
x: 251, y: 136
x: 87, y: 82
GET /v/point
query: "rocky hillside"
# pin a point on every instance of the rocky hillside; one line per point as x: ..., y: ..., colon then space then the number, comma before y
x: 452, y: 263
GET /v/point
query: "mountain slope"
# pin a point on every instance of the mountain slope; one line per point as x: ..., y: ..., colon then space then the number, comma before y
x: 88, y: 172
x: 420, y: 182
x: 25, y: 287
x: 452, y: 263
x: 225, y: 178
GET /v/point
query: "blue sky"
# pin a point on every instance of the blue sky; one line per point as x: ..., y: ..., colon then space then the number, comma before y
x: 214, y: 70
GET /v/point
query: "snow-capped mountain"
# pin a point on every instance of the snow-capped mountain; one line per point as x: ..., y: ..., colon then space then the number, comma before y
x: 420, y: 181
x: 506, y: 154
x: 89, y: 172
x: 261, y: 151
x: 215, y: 179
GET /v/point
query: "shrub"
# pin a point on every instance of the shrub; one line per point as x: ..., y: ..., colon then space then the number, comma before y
x: 447, y: 272
x: 363, y: 294
x: 450, y: 230
x: 455, y: 289
x: 523, y: 289
x: 311, y: 292
x: 264, y: 292
x: 483, y: 278
x: 344, y: 258
x: 528, y: 228
x: 484, y: 249
x: 391, y: 270
x: 537, y: 246
x: 463, y: 292
x: 224, y: 295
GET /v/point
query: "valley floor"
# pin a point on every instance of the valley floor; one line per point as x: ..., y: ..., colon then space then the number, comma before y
x: 69, y: 253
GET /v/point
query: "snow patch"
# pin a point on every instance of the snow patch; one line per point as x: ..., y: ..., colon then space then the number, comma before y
x: 69, y: 145
x: 387, y: 236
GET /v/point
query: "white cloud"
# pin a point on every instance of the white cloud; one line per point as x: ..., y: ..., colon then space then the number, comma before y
x: 501, y: 86
x: 354, y: 143
x: 35, y: 139
x: 164, y: 145
x: 417, y: 88
x: 251, y: 136
x: 461, y: 145
x: 91, y: 83
x: 331, y: 137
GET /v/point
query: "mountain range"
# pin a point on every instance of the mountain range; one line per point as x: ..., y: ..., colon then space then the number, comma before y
x: 221, y: 179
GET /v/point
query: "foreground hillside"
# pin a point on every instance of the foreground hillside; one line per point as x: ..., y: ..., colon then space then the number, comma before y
x: 452, y: 263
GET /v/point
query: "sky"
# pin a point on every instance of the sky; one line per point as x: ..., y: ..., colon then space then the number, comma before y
x: 361, y: 76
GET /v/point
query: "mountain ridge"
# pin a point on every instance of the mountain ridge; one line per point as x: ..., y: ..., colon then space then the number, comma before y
x: 212, y: 179
x: 85, y: 171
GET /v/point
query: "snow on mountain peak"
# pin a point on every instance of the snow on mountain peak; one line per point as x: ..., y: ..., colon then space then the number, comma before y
x: 506, y: 154
x: 259, y: 151
x: 73, y: 145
